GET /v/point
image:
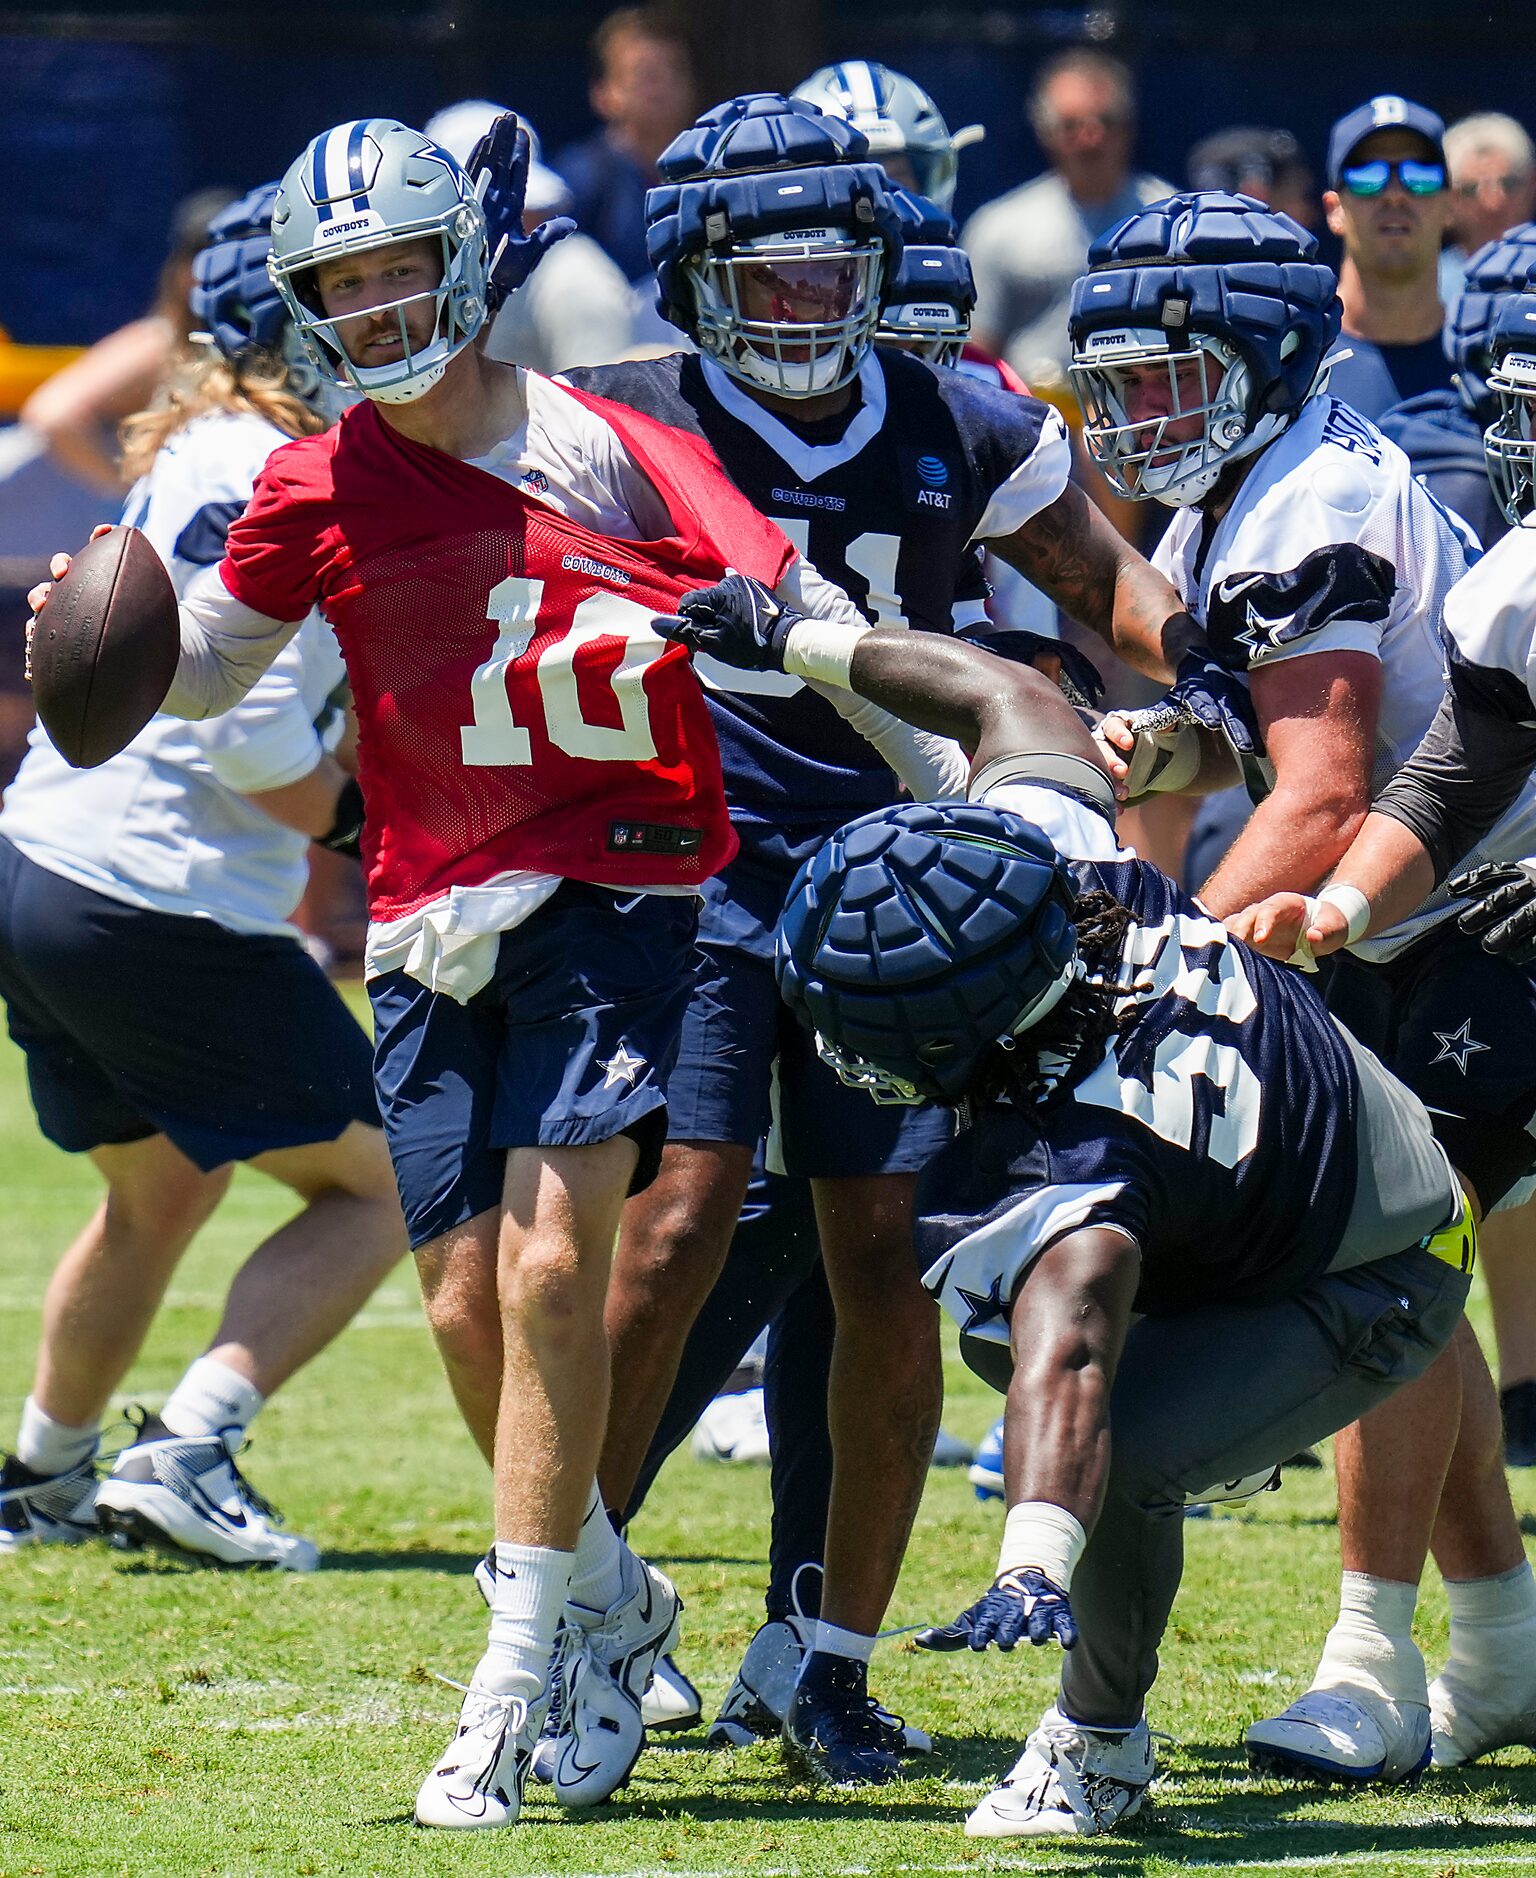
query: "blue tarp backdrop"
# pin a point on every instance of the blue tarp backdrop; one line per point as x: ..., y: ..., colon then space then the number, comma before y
x: 103, y: 136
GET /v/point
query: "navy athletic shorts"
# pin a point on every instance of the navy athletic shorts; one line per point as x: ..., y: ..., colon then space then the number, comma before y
x: 740, y: 1040
x: 1459, y: 1027
x: 569, y: 1044
x: 136, y: 1023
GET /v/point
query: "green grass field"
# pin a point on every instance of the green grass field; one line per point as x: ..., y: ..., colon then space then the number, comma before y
x: 164, y: 1721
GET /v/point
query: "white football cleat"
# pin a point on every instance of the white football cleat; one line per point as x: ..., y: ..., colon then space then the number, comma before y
x: 46, y: 1509
x: 601, y: 1733
x: 479, y: 1777
x: 1469, y: 1718
x: 670, y: 1701
x: 1353, y: 1736
x: 606, y: 1662
x: 734, y: 1428
x: 185, y: 1495
x: 632, y: 1636
x: 764, y: 1687
x: 1069, y: 1781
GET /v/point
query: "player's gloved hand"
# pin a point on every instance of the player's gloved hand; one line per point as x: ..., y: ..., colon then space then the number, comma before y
x: 1021, y: 1603
x: 345, y: 834
x: 1073, y: 671
x: 498, y: 173
x: 1504, y: 910
x: 1206, y: 694
x: 737, y: 621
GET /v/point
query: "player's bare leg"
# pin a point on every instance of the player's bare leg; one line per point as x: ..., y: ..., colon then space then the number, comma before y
x: 560, y: 1219
x: 1366, y: 1714
x: 106, y: 1289
x: 1509, y: 1268
x: 884, y: 1399
x: 556, y: 1557
x: 1485, y: 1697
x: 302, y: 1286
x: 672, y: 1245
x: 293, y: 1295
x: 457, y: 1271
x: 886, y: 1353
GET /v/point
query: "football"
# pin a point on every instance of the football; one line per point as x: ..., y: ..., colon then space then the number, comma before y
x: 104, y: 648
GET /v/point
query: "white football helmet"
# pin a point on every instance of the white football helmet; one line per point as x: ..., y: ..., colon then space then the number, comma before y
x: 371, y: 184
x: 899, y: 119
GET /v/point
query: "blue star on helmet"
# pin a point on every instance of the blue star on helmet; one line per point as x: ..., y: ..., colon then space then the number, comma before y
x: 983, y: 1309
x: 1457, y: 1045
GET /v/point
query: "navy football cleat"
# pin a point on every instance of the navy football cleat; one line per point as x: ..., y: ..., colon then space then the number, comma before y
x: 836, y: 1731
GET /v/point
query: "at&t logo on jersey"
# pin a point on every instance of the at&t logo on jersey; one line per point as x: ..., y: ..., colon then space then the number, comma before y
x: 931, y: 476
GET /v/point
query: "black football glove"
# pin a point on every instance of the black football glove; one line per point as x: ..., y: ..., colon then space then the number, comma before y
x: 737, y: 621
x: 1504, y: 911
x: 498, y: 173
x: 345, y: 834
x: 1020, y: 1604
x: 1206, y: 694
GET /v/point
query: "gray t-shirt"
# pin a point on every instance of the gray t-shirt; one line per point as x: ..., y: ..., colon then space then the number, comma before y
x: 1026, y: 249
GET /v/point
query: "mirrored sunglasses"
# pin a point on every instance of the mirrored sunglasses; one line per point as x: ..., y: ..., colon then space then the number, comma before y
x: 1417, y: 177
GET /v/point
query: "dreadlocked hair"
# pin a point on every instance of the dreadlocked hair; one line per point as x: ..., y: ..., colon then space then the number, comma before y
x: 256, y: 383
x: 1053, y: 1056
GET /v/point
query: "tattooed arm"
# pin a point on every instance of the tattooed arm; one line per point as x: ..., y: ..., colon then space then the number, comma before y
x: 1075, y: 557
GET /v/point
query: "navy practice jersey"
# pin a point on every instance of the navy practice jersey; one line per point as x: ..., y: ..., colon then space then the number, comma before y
x: 1217, y: 1131
x: 885, y: 501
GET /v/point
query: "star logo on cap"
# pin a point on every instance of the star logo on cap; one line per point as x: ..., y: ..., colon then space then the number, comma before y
x: 622, y: 1068
x: 1456, y: 1046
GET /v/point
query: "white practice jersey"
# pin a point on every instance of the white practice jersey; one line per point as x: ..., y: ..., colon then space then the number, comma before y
x: 166, y: 824
x: 1490, y: 617
x: 1333, y: 546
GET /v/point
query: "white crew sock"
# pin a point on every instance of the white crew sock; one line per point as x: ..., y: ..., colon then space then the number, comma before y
x: 831, y: 1640
x: 597, y: 1569
x: 531, y: 1586
x: 1491, y: 1623
x: 50, y: 1447
x: 210, y: 1398
x: 1371, y: 1646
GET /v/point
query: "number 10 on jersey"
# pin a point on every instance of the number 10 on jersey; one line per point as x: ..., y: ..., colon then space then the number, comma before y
x: 495, y: 737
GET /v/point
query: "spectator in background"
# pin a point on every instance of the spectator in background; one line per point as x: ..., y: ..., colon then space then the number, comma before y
x: 1493, y: 186
x: 642, y: 89
x: 1388, y: 202
x: 1253, y: 160
x: 1028, y: 246
x: 576, y: 308
x: 1441, y: 431
x: 75, y: 414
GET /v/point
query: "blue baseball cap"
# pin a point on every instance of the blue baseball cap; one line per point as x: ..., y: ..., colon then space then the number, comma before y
x: 1388, y: 112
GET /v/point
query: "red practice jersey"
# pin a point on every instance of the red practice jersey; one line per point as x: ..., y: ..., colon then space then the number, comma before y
x: 516, y: 710
x: 978, y: 364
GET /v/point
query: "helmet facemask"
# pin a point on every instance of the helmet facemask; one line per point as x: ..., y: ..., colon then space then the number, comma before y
x: 794, y: 313
x: 1509, y: 446
x: 458, y: 304
x: 1138, y: 458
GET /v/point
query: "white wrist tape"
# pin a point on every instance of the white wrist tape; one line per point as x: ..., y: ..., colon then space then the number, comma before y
x: 1343, y: 898
x: 1042, y: 1537
x: 823, y: 649
x: 1352, y: 903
